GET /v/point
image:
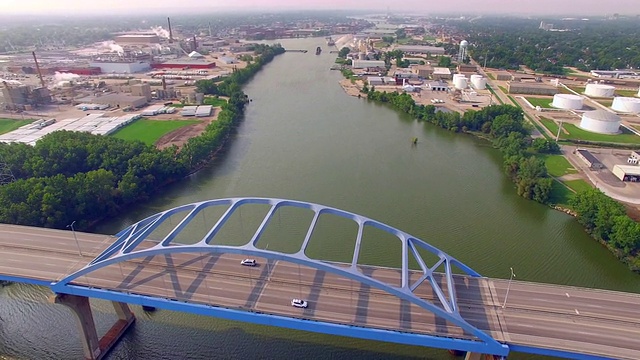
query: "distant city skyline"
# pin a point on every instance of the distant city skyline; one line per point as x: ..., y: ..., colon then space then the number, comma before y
x: 524, y: 7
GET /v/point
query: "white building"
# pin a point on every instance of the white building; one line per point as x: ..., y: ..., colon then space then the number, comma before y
x: 122, y: 67
x: 364, y: 64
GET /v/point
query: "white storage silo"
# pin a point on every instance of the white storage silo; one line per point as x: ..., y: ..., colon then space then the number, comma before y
x: 599, y: 90
x: 460, y: 82
x: 478, y: 82
x: 638, y: 93
x: 626, y: 104
x: 600, y: 121
x: 567, y: 101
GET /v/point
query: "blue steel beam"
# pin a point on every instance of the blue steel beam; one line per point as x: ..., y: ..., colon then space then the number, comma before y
x: 125, y: 248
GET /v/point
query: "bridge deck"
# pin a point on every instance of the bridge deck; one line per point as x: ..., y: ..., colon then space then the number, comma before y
x: 565, y: 318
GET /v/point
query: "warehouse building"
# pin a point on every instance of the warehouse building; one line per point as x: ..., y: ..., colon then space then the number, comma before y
x: 375, y: 80
x: 503, y: 76
x: 365, y: 64
x: 423, y: 71
x: 185, y: 64
x: 121, y: 101
x: 441, y: 73
x: 627, y: 172
x: 137, y: 39
x: 592, y: 162
x: 121, y: 67
x: 421, y: 49
x: 531, y: 88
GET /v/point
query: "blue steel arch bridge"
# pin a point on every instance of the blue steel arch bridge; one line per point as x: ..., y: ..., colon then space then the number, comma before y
x: 422, y: 302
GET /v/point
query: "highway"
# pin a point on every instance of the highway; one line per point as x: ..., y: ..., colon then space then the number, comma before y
x: 596, y: 322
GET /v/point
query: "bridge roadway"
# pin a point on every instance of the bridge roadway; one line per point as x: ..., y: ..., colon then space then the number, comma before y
x: 542, y: 316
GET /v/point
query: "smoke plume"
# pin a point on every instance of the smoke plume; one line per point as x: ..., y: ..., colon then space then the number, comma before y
x: 160, y: 31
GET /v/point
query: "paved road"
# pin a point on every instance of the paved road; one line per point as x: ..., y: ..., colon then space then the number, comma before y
x: 539, y: 315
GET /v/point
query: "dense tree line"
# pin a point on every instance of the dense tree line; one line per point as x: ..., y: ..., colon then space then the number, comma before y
x: 504, y: 125
x: 596, y: 44
x: 606, y: 220
x: 71, y: 176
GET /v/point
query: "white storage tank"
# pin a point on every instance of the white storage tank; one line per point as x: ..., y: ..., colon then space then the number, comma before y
x: 600, y: 121
x: 478, y: 82
x: 626, y: 104
x: 567, y: 101
x: 638, y: 92
x: 599, y: 90
x: 460, y: 82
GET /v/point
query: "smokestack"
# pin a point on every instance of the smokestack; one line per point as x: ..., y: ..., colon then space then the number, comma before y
x: 164, y: 83
x: 170, y: 32
x: 35, y: 59
x: 195, y: 44
x: 210, y: 33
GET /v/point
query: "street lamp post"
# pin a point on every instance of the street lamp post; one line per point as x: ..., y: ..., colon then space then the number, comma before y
x: 508, y: 287
x: 73, y: 230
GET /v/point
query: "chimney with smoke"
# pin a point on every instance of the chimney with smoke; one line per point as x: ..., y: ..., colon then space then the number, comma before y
x: 170, y: 32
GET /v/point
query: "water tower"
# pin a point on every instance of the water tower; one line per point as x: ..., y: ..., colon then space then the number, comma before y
x: 462, y: 53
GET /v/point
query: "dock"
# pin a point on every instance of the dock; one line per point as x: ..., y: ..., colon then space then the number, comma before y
x: 296, y: 50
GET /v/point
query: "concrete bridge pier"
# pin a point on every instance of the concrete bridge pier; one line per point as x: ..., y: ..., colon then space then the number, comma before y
x: 92, y: 347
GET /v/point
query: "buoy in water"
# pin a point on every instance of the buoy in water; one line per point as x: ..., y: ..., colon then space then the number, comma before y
x: 414, y: 140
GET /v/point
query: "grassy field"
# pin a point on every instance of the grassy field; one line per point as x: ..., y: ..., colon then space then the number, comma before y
x: 605, y: 102
x: 490, y: 76
x: 542, y: 102
x: 558, y: 165
x: 504, y: 90
x: 8, y: 125
x: 560, y: 194
x: 149, y: 131
x: 628, y: 93
x: 578, y: 185
x: 214, y: 101
x: 572, y: 132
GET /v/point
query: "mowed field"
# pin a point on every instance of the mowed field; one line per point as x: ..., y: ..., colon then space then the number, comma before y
x: 8, y: 125
x: 149, y: 131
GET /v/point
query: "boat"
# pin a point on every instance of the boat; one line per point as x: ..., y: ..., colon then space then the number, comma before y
x: 318, y: 50
x: 330, y: 41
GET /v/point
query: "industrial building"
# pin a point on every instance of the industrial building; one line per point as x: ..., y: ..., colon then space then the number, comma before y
x: 24, y: 97
x: 423, y: 71
x: 592, y: 162
x: 441, y: 73
x: 466, y: 68
x: 421, y: 49
x: 503, y: 76
x: 117, y: 100
x: 626, y: 105
x: 627, y: 172
x: 531, y: 88
x: 567, y: 101
x: 599, y: 90
x: 186, y: 63
x: 436, y: 86
x: 600, y: 121
x: 137, y: 39
x: 367, y: 64
x: 121, y: 67
x: 375, y: 80
x: 141, y: 90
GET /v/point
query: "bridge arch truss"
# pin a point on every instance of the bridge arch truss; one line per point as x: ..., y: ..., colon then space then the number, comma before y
x: 126, y: 247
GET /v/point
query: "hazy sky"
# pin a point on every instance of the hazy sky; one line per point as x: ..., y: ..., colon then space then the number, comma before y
x: 560, y: 7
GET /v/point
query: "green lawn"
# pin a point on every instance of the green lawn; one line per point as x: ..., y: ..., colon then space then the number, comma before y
x: 572, y: 132
x: 8, y: 125
x: 605, y: 102
x: 578, y: 185
x: 149, y: 131
x: 542, y: 102
x: 628, y: 93
x: 490, y: 76
x: 558, y: 165
x: 503, y: 89
x: 212, y: 100
x: 515, y: 103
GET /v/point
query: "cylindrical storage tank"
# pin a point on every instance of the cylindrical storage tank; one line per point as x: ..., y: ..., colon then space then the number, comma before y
x: 638, y: 93
x: 626, y: 104
x: 567, y: 101
x: 478, y: 82
x: 455, y: 76
x: 600, y: 121
x: 460, y: 83
x: 599, y: 90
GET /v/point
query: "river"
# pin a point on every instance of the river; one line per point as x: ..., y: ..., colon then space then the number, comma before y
x: 303, y: 138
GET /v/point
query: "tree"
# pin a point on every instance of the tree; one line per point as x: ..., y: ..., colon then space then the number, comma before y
x: 343, y: 52
x: 444, y: 61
